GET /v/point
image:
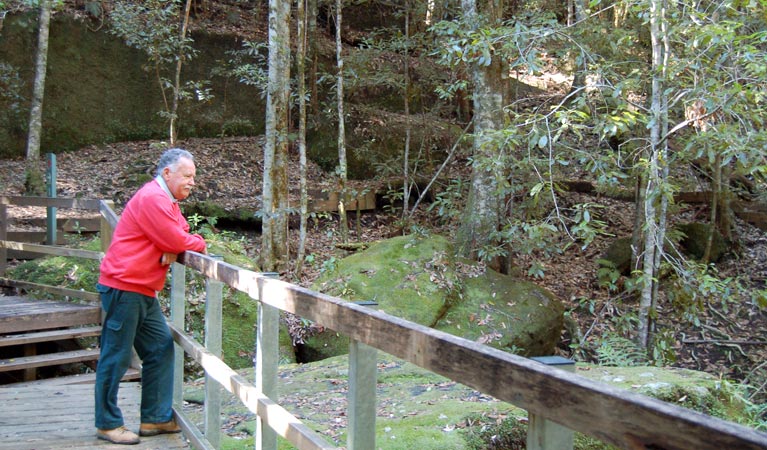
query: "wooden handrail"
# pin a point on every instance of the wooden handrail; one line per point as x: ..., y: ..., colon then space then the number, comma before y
x: 64, y: 292
x: 74, y: 203
x: 615, y: 416
x: 51, y: 250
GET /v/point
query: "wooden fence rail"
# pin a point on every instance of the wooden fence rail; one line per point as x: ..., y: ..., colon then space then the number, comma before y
x: 615, y: 416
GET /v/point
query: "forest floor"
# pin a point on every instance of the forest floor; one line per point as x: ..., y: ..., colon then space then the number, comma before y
x: 730, y: 339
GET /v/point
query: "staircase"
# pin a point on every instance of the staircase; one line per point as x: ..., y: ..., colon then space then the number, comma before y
x: 38, y: 333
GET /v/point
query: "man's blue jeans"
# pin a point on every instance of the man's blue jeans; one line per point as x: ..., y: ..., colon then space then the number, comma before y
x: 133, y: 320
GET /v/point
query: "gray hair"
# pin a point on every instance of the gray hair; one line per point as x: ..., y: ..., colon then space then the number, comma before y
x: 171, y: 157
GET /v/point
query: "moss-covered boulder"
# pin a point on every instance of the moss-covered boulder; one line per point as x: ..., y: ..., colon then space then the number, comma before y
x: 507, y: 313
x: 690, y: 389
x: 695, y: 238
x: 418, y: 279
x: 618, y: 256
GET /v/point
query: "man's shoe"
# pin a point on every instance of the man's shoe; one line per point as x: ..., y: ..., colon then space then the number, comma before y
x: 153, y: 429
x: 119, y: 435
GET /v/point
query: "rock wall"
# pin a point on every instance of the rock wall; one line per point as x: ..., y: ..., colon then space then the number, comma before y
x: 97, y: 90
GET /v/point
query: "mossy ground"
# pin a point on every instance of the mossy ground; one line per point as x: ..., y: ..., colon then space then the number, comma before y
x: 417, y: 409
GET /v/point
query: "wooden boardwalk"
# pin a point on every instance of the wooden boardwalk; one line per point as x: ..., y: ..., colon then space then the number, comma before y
x: 42, y: 417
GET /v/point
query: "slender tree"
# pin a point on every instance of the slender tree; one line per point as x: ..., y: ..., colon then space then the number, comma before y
x: 157, y: 28
x: 33, y: 176
x: 406, y: 157
x: 301, y: 140
x: 173, y: 132
x: 655, y: 201
x: 343, y: 195
x: 274, y: 236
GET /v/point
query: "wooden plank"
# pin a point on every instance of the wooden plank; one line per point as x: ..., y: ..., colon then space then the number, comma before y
x: 328, y: 202
x: 49, y: 359
x: 69, y: 225
x: 83, y: 378
x: 108, y: 214
x: 51, y: 250
x: 74, y: 203
x: 47, y: 336
x: 18, y: 314
x: 64, y: 292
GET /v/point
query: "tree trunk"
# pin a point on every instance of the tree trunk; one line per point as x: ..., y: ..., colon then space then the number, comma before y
x: 715, y: 195
x: 301, y: 141
x: 485, y: 206
x: 654, y: 222
x: 342, y: 166
x: 274, y: 249
x: 579, y: 78
x: 311, y: 34
x: 406, y: 157
x: 41, y: 65
x: 173, y: 132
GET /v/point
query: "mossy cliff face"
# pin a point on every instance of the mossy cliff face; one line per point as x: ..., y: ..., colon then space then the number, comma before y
x: 96, y: 90
x: 419, y: 280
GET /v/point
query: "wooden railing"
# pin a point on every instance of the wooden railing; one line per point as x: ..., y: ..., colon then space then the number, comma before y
x: 615, y: 416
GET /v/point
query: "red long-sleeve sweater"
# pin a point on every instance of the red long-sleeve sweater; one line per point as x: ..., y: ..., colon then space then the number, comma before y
x: 150, y: 225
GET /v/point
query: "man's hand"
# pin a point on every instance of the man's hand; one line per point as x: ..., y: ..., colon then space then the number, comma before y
x: 168, y: 259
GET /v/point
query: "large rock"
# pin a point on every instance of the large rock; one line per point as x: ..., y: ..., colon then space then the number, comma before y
x: 418, y: 279
x: 695, y: 238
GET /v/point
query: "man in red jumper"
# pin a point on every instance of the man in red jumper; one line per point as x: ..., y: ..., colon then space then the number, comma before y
x: 149, y: 235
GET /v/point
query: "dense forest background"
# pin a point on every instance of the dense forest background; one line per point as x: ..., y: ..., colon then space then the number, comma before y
x: 613, y: 152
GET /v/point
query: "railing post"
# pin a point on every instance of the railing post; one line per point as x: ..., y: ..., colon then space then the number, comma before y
x: 105, y: 230
x: 543, y: 434
x: 362, y: 394
x: 3, y: 236
x: 51, y: 210
x: 177, y: 318
x: 266, y: 361
x: 213, y: 342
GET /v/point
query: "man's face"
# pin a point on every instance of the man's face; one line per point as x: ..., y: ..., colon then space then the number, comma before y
x: 180, y: 180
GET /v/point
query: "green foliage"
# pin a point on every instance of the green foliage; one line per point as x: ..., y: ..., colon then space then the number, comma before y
x: 34, y: 182
x: 587, y: 224
x: 484, y: 432
x: 67, y: 272
x: 448, y: 203
x: 695, y: 285
x: 248, y: 65
x: 202, y: 225
x: 501, y: 432
x: 152, y: 27
x: 517, y: 41
x: 613, y: 350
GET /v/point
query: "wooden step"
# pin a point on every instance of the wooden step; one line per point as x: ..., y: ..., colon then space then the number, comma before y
x: 47, y: 336
x: 50, y: 359
x: 85, y: 378
x: 20, y: 314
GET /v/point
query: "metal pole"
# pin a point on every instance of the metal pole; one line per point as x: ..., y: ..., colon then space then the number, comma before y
x: 51, y: 210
